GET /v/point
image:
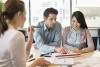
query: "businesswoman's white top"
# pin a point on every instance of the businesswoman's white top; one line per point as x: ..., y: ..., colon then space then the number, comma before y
x: 12, y: 49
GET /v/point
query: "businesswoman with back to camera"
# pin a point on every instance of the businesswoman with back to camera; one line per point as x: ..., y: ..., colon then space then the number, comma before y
x: 12, y: 42
x: 77, y: 37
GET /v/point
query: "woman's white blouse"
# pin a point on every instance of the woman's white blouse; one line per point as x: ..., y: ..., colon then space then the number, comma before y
x: 74, y: 38
x: 12, y: 49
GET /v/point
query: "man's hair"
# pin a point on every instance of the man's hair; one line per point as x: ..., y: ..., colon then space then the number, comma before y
x: 50, y: 11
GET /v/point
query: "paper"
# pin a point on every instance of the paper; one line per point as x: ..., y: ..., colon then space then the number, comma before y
x: 96, y: 53
x: 88, y: 62
x: 67, y: 61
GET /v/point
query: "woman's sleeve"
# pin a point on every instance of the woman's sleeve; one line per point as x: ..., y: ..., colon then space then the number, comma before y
x: 17, y: 50
x: 89, y: 43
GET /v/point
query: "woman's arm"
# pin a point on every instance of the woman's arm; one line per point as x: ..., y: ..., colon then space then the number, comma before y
x: 30, y: 40
x: 17, y: 50
x: 89, y: 43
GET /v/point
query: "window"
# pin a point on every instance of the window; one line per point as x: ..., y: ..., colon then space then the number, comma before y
x: 90, y: 9
x: 38, y: 7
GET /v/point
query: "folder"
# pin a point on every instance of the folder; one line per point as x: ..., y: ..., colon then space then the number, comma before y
x: 58, y: 55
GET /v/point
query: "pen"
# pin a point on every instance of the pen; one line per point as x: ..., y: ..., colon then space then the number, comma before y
x: 31, y: 59
x: 37, y: 26
x: 47, y: 56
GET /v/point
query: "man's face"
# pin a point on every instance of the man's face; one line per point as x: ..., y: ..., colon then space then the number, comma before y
x: 50, y: 20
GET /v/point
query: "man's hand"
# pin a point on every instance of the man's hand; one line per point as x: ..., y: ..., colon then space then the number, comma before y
x: 61, y: 50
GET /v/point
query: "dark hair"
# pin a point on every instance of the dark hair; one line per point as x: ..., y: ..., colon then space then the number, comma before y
x: 50, y: 11
x: 80, y: 18
x: 11, y: 7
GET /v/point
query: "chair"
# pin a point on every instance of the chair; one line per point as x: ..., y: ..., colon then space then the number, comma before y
x: 99, y: 35
x: 95, y: 42
x: 33, y: 41
x: 24, y: 32
x: 98, y: 45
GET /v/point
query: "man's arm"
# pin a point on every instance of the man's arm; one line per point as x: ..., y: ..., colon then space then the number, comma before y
x: 40, y: 43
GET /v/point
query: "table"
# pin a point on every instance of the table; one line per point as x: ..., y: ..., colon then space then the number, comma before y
x: 37, y: 53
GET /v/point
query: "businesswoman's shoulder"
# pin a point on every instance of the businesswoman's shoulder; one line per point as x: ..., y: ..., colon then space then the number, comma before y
x: 17, y: 35
x: 85, y: 30
x: 67, y: 28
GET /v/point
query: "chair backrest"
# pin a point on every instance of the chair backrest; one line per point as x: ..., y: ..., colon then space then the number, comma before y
x: 95, y: 42
x: 98, y: 32
x: 99, y: 35
x: 23, y: 31
x: 33, y: 41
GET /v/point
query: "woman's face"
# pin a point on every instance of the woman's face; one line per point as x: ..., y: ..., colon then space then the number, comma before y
x: 75, y: 23
x: 22, y: 19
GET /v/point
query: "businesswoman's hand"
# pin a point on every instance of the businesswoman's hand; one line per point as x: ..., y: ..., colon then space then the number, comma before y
x: 30, y: 33
x: 40, y: 62
x: 30, y: 38
x: 76, y: 50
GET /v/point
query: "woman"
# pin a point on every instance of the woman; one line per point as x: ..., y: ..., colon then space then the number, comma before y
x: 77, y: 37
x: 12, y: 42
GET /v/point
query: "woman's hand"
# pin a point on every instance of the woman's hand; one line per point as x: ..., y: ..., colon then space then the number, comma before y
x: 30, y: 38
x: 76, y: 50
x: 40, y: 62
x: 34, y: 46
x: 30, y: 33
x: 61, y: 50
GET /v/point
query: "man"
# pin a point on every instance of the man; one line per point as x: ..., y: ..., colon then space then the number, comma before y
x: 48, y: 36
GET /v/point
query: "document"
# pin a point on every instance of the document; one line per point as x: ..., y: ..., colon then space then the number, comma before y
x: 54, y: 60
x: 88, y: 62
x: 93, y: 61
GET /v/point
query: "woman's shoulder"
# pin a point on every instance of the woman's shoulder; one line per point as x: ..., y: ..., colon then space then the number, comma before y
x: 67, y: 28
x: 19, y: 34
x: 85, y: 30
x: 15, y: 34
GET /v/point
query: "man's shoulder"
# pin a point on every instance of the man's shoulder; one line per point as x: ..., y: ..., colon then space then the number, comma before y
x: 58, y: 24
x: 41, y: 23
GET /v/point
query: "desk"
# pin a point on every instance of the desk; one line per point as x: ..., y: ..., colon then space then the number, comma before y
x: 37, y: 53
x: 83, y: 56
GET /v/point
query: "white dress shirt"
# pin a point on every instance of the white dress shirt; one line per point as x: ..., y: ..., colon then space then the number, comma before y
x: 12, y: 49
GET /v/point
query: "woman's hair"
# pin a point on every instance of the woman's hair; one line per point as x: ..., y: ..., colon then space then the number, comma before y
x: 80, y: 18
x: 10, y: 8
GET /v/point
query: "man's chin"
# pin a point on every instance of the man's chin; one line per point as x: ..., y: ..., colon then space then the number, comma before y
x: 52, y: 26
